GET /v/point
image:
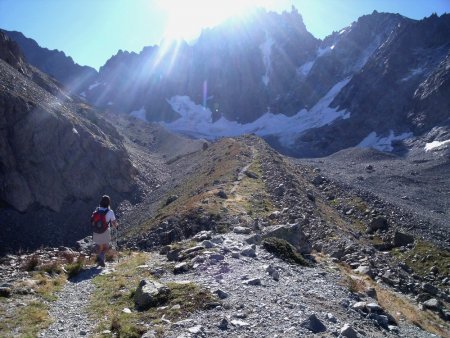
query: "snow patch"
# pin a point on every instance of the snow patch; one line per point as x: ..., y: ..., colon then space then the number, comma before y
x: 436, y: 144
x: 266, y: 50
x: 92, y: 86
x: 304, y: 69
x: 196, y: 120
x: 412, y: 73
x: 83, y: 94
x: 139, y: 114
x: 382, y: 143
x: 75, y: 131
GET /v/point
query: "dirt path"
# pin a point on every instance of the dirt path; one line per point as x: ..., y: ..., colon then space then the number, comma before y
x: 69, y: 312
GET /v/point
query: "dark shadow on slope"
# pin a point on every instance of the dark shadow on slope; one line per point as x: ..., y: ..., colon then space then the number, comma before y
x: 86, y: 274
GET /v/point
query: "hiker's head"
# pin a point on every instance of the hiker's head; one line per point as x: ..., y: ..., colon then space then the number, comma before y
x: 105, y: 202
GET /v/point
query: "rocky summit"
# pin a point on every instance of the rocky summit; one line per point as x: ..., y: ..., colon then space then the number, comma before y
x: 225, y: 236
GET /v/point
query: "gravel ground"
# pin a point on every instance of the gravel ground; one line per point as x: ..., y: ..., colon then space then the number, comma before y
x: 276, y: 308
x: 69, y: 312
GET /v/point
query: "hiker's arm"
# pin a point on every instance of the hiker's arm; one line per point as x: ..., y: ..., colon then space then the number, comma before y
x: 115, y: 224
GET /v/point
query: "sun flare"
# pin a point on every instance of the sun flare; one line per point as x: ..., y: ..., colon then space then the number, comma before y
x: 185, y: 19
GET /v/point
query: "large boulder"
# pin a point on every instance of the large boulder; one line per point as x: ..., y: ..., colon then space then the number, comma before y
x: 149, y: 294
x: 401, y: 239
x: 377, y: 223
x: 292, y: 233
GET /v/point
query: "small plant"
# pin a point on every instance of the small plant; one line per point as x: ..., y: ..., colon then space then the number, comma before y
x: 74, y: 269
x: 111, y: 255
x: 31, y: 263
x: 51, y: 268
x: 284, y: 250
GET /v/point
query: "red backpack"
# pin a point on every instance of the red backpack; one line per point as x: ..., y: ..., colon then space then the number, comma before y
x: 98, y: 221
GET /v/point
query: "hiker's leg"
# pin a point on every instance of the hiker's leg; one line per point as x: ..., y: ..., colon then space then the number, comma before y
x: 101, y: 255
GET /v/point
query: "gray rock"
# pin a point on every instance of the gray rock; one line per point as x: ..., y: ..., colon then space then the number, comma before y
x: 171, y: 199
x: 431, y: 289
x: 251, y: 174
x: 221, y: 294
x: 275, y: 215
x: 331, y: 318
x: 195, y: 329
x: 276, y: 275
x: 5, y: 292
x: 318, y: 180
x: 242, y: 230
x: 235, y: 254
x: 253, y: 281
x: 248, y: 252
x: 377, y: 223
x: 222, y: 194
x: 173, y: 255
x: 208, y: 244
x: 150, y: 334
x: 223, y: 325
x: 181, y: 268
x: 280, y: 190
x: 310, y: 196
x: 236, y: 322
x: 149, y: 294
x: 202, y: 236
x: 433, y: 304
x: 371, y: 292
x: 313, y: 324
x: 290, y: 233
x: 359, y: 306
x: 401, y: 239
x: 374, y: 307
x: 348, y: 331
x: 217, y: 257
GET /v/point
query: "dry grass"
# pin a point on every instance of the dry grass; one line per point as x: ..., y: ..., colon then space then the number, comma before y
x: 396, y: 304
x: 425, y: 255
x: 221, y: 163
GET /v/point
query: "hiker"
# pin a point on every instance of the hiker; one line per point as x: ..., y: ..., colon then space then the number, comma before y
x: 102, y: 219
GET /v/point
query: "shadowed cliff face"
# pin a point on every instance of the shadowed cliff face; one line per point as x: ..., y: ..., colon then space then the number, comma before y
x: 55, y: 153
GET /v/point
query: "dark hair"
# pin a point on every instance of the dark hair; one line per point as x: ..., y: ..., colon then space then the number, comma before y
x: 105, y: 202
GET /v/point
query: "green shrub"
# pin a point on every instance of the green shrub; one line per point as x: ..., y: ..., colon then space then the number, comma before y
x: 284, y: 250
x: 74, y: 269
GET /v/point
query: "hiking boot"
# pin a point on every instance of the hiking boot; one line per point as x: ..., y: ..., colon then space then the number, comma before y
x: 101, y: 263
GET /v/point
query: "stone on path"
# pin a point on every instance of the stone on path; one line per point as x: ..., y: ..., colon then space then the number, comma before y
x: 348, y: 331
x: 313, y: 324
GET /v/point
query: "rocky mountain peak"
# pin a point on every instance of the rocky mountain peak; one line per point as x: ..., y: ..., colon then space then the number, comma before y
x: 55, y: 63
x: 11, y: 53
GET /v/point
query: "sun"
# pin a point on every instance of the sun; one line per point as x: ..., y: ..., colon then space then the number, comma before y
x: 186, y: 18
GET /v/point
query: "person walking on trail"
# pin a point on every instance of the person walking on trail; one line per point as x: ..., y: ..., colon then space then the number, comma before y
x: 102, y: 220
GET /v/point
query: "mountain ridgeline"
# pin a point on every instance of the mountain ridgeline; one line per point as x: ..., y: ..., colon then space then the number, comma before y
x: 383, y: 77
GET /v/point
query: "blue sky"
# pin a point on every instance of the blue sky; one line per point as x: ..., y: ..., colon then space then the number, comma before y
x: 91, y: 31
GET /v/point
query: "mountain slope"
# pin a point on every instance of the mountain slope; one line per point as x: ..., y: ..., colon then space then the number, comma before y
x: 55, y: 63
x: 59, y: 155
x: 382, y: 77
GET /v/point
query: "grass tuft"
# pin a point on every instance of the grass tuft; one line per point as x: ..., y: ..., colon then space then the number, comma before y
x: 284, y: 250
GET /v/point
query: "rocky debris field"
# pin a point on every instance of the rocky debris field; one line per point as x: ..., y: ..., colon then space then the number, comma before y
x: 261, y: 295
x: 418, y: 184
